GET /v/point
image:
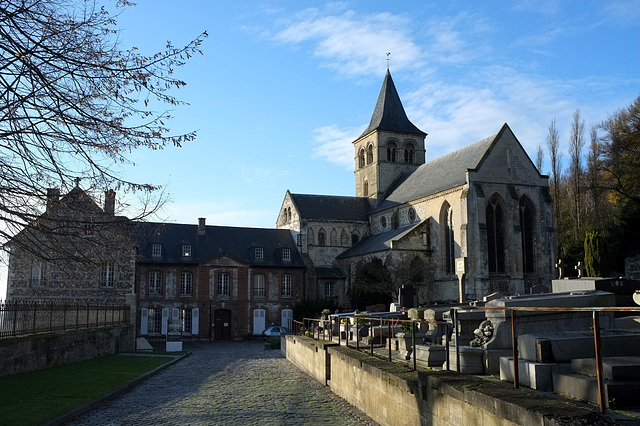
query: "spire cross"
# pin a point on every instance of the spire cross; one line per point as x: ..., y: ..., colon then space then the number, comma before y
x: 388, y: 54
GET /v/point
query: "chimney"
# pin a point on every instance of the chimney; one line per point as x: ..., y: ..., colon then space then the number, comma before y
x: 110, y: 202
x: 202, y: 227
x: 53, y: 196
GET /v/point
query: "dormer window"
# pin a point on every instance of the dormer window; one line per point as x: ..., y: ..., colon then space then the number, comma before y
x: 186, y: 250
x: 259, y: 253
x: 156, y: 250
x: 286, y: 255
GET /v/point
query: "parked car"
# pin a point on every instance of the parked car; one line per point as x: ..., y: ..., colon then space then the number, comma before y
x: 274, y: 330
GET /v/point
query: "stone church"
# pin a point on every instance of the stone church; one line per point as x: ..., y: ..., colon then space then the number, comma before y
x: 460, y: 227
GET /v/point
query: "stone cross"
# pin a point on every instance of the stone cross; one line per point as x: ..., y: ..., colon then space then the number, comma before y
x: 560, y: 267
x: 580, y: 269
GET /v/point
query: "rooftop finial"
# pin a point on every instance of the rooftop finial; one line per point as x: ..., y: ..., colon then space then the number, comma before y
x: 388, y: 54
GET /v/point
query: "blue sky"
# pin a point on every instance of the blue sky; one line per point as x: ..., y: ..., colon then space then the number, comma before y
x: 284, y: 87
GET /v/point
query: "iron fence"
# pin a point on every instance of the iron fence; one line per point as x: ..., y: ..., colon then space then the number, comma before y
x: 323, y: 329
x: 22, y: 318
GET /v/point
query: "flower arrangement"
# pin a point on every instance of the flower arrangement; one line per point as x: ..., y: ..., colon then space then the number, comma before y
x: 326, y: 312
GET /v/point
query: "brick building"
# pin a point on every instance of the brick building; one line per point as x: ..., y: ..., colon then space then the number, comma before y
x: 470, y: 223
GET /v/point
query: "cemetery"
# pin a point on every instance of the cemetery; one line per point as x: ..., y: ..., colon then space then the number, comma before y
x: 557, y: 348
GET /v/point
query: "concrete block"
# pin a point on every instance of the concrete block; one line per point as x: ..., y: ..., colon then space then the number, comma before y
x: 531, y: 374
x: 613, y: 368
x: 433, y: 356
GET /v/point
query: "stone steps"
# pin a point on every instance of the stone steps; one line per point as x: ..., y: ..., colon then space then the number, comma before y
x: 621, y: 383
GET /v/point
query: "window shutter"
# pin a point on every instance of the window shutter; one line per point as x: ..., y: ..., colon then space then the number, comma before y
x: 165, y: 320
x: 144, y: 321
x: 195, y: 321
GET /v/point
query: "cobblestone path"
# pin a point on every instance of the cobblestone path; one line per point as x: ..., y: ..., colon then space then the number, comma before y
x: 231, y: 383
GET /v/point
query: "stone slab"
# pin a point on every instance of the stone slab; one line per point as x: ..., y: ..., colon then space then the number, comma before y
x: 569, y: 345
x: 531, y: 374
x: 613, y: 368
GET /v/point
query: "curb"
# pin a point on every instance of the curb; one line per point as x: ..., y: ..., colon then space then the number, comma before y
x: 78, y: 412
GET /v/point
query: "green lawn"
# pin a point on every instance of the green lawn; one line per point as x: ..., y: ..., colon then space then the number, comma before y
x: 36, y: 397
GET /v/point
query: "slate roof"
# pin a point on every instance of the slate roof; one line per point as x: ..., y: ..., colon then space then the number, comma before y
x: 389, y: 113
x: 437, y: 175
x: 378, y: 242
x: 331, y: 207
x: 236, y: 242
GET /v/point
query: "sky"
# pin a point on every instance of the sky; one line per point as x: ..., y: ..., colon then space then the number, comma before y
x: 284, y: 87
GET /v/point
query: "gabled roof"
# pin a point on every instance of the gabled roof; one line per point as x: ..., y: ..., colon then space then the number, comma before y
x: 389, y: 113
x: 438, y: 175
x: 378, y: 242
x: 331, y: 207
x: 236, y: 242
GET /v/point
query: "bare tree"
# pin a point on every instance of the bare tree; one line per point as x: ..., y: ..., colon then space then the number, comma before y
x: 73, y: 104
x: 539, y: 158
x: 576, y: 144
x: 555, y: 157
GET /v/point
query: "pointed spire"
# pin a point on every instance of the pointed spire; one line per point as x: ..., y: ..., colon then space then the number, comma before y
x: 389, y: 113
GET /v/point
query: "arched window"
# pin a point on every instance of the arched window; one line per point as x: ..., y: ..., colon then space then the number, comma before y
x: 447, y: 238
x: 344, y: 238
x: 409, y: 153
x: 333, y: 238
x: 495, y: 236
x: 526, y: 232
x: 392, y: 149
x: 355, y: 237
x: 311, y: 239
x: 289, y: 214
x: 322, y: 237
x: 370, y: 154
x: 361, y: 158
x: 365, y: 188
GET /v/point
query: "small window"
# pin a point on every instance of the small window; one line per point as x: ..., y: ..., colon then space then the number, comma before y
x: 409, y: 153
x: 392, y: 148
x: 186, y: 250
x: 383, y: 222
x: 329, y: 289
x: 156, y: 250
x: 322, y: 238
x: 412, y: 215
x: 186, y: 283
x: 259, y: 253
x: 286, y: 254
x: 37, y: 272
x: 87, y: 226
x: 155, y: 283
x: 361, y: 158
x: 223, y: 284
x: 370, y: 154
x: 286, y: 285
x: 259, y: 287
x: 107, y: 274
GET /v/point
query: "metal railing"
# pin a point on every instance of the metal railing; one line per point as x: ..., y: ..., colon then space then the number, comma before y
x: 22, y: 318
x: 315, y: 328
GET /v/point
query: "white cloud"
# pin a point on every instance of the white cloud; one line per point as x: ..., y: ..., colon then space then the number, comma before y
x: 334, y: 145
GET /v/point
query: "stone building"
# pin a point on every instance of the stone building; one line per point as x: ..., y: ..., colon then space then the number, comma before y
x: 76, y: 252
x: 211, y: 282
x: 470, y: 223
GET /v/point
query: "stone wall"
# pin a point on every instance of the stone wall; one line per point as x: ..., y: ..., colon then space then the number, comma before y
x: 392, y: 394
x: 39, y: 351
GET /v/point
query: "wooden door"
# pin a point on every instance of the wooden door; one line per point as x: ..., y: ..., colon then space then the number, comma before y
x: 222, y: 324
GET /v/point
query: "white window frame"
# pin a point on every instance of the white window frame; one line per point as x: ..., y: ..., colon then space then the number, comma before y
x: 287, y: 280
x: 259, y: 253
x: 223, y: 283
x: 329, y: 289
x: 155, y: 283
x: 286, y: 255
x: 156, y: 250
x: 107, y: 274
x: 259, y: 285
x: 186, y: 250
x: 186, y: 283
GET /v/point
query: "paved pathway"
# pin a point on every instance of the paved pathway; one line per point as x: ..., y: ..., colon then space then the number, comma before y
x: 234, y: 383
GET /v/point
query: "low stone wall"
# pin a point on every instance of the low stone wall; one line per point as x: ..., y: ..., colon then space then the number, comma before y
x: 39, y: 351
x: 392, y: 394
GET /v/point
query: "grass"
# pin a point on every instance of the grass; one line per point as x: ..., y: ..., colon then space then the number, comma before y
x: 39, y: 396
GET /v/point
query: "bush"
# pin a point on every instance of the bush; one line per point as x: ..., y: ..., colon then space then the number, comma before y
x: 274, y: 341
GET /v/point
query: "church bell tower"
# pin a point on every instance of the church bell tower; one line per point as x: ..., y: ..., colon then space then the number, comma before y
x: 390, y: 146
